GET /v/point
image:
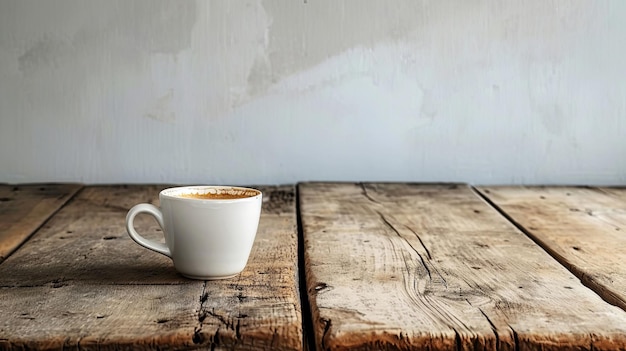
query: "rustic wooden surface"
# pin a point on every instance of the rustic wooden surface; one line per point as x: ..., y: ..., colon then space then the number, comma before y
x: 583, y: 228
x: 80, y: 282
x: 402, y: 266
x: 24, y: 208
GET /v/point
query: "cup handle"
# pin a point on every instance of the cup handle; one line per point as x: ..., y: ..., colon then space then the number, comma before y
x: 130, y: 228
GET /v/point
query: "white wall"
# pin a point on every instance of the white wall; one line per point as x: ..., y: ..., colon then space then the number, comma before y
x: 283, y: 91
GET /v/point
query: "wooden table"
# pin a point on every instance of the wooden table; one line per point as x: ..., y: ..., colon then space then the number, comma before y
x: 335, y: 266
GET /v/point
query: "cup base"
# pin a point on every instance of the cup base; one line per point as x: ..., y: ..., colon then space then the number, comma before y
x: 199, y: 277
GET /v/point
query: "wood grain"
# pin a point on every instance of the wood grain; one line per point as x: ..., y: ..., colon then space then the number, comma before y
x: 81, y: 282
x: 583, y: 228
x: 24, y: 208
x: 411, y: 267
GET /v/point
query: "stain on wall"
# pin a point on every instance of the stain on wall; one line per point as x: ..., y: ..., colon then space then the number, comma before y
x: 325, y: 29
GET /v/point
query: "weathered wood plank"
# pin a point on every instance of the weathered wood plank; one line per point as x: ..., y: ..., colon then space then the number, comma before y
x: 260, y: 309
x: 24, y: 208
x: 82, y: 282
x: 405, y: 266
x: 583, y: 228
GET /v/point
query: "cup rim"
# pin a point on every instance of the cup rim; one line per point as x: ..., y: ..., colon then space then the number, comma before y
x: 171, y: 193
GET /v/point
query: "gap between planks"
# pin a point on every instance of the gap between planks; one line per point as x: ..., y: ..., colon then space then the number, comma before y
x: 308, y: 331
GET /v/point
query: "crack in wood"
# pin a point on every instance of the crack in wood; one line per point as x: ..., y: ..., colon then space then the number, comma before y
x: 215, y: 340
x: 395, y: 230
x: 421, y: 242
x: 515, y: 338
x: 493, y: 327
x: 415, y: 287
x: 457, y: 340
x: 274, y: 342
x: 326, y: 333
x: 228, y: 324
x: 424, y: 299
x: 591, y: 346
x: 198, y: 337
x: 237, y: 332
x: 367, y: 195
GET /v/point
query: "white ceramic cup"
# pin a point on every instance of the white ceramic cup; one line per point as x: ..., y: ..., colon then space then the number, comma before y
x: 206, y: 237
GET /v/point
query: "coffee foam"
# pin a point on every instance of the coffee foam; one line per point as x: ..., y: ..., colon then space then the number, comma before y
x: 216, y: 193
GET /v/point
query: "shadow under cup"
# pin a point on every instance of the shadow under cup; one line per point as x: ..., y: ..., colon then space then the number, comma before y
x: 209, y: 230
